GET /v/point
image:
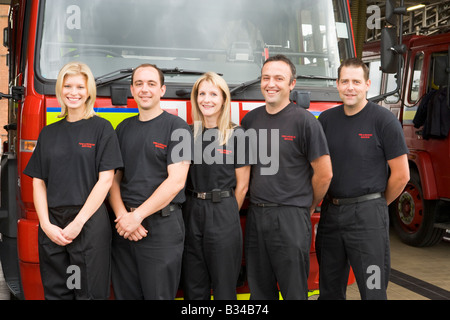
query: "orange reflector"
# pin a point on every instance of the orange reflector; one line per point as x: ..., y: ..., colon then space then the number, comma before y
x: 27, y: 145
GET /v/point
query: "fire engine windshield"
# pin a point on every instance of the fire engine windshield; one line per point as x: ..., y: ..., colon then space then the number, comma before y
x: 231, y: 37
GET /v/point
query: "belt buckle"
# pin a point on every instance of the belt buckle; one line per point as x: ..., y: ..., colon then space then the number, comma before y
x: 201, y: 195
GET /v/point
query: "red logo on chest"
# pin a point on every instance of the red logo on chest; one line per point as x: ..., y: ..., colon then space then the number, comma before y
x: 159, y: 145
x: 288, y: 138
x: 86, y: 145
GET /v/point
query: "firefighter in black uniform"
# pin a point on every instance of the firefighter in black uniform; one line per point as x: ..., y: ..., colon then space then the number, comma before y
x: 284, y: 193
x: 147, y: 194
x: 216, y: 187
x: 73, y: 168
x: 370, y: 169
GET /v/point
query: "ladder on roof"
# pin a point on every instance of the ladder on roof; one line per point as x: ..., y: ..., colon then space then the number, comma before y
x: 434, y: 18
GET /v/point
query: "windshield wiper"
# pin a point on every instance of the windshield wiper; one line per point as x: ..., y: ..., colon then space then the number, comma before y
x: 177, y: 70
x: 316, y: 77
x: 247, y: 84
x: 113, y: 76
x: 124, y: 73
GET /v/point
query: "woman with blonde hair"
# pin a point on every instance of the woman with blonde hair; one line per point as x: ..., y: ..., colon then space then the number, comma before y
x: 73, y: 168
x: 216, y: 188
x: 81, y: 70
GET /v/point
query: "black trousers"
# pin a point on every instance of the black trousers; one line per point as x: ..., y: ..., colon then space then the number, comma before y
x: 355, y: 235
x: 277, y: 244
x: 150, y: 268
x: 213, y: 249
x: 80, y: 270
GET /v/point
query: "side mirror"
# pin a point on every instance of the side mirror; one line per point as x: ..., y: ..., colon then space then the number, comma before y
x: 392, y: 12
x: 389, y: 55
x: 391, y: 17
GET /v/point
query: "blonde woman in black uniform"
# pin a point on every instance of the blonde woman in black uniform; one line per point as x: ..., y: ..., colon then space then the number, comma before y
x: 72, y: 169
x: 216, y: 188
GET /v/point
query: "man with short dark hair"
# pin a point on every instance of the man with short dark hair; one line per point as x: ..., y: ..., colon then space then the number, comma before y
x: 370, y: 169
x: 278, y: 227
x: 147, y: 194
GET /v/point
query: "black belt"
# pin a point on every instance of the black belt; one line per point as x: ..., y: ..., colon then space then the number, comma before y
x: 215, y: 195
x: 344, y: 201
x: 266, y: 204
x: 164, y: 212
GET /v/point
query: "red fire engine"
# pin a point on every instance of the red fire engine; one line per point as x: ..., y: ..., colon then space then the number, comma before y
x: 421, y: 214
x: 183, y: 38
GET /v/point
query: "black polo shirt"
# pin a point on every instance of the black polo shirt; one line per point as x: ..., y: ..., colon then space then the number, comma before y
x: 147, y: 149
x: 360, y: 146
x: 69, y: 156
x: 287, y: 142
x: 214, y: 164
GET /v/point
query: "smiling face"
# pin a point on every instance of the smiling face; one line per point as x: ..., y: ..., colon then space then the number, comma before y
x: 74, y: 92
x: 353, y: 87
x: 210, y: 101
x: 276, y: 84
x: 146, y: 88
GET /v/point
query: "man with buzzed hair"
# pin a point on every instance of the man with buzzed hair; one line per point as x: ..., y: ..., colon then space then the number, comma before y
x: 370, y: 169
